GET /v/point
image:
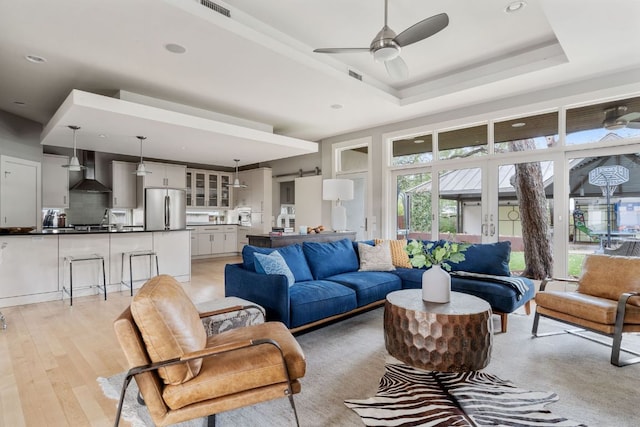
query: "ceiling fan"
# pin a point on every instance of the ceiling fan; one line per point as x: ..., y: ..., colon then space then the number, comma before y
x: 617, y: 118
x: 386, y: 45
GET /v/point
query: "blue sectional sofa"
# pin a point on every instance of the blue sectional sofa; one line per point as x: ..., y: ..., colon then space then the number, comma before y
x: 326, y: 282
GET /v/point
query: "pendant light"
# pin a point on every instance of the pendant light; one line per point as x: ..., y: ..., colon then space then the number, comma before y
x: 74, y: 164
x: 141, y: 170
x: 236, y: 180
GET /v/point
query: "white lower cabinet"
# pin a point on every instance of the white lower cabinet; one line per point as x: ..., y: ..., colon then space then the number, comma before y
x: 33, y: 269
x: 85, y: 273
x: 174, y: 255
x: 28, y: 266
x: 142, y: 267
x: 214, y: 240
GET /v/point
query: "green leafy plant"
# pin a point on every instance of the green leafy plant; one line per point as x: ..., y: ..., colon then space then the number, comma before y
x: 442, y: 253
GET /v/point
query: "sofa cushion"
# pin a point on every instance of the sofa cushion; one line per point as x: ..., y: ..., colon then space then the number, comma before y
x: 375, y: 258
x: 608, y: 276
x: 399, y: 256
x: 486, y: 258
x: 170, y: 326
x: 501, y: 297
x: 273, y: 263
x: 292, y: 254
x: 329, y: 258
x: 317, y: 299
x: 369, y: 286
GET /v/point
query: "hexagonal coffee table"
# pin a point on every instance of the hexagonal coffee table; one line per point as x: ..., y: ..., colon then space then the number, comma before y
x: 450, y: 337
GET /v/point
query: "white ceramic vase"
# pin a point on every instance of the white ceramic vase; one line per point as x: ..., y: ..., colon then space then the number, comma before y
x: 436, y: 285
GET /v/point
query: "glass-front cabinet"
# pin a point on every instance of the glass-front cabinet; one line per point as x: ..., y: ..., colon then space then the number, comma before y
x: 208, y: 189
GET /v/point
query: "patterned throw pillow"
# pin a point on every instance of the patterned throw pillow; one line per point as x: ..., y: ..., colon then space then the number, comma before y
x: 375, y: 258
x: 399, y: 256
x: 273, y: 263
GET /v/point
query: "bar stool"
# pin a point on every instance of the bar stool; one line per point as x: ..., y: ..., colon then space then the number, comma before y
x: 131, y: 255
x: 82, y: 258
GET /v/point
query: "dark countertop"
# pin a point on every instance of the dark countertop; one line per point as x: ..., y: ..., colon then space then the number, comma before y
x: 71, y: 231
x: 269, y: 241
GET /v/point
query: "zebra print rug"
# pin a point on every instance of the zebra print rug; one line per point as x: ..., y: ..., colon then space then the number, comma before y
x: 411, y: 397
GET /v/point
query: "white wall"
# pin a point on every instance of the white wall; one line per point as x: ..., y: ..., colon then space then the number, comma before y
x: 20, y: 137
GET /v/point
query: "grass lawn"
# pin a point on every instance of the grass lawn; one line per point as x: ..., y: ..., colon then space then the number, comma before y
x: 575, y: 262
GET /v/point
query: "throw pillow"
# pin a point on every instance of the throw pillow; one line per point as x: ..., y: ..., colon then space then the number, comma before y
x: 486, y: 258
x: 273, y: 264
x: 330, y: 258
x: 292, y: 254
x: 375, y: 258
x: 399, y: 256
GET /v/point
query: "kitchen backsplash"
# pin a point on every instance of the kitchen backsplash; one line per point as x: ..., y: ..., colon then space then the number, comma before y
x: 86, y: 208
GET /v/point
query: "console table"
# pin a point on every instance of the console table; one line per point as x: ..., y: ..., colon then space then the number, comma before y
x: 267, y: 241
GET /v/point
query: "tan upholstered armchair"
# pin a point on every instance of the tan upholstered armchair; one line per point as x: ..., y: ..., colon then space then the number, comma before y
x: 183, y: 374
x: 606, y: 301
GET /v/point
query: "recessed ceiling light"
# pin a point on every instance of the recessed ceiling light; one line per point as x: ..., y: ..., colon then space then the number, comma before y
x: 518, y: 125
x: 102, y: 135
x: 336, y: 106
x: 515, y: 6
x: 35, y: 59
x: 175, y: 48
x: 418, y: 141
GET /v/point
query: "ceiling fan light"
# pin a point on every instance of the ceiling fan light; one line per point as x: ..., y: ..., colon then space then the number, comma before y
x: 386, y: 53
x: 615, y: 125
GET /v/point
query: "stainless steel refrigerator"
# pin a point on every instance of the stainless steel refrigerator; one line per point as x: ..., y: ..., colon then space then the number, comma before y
x: 165, y: 209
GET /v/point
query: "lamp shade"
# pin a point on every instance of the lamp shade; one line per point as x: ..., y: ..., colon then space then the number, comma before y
x: 337, y: 189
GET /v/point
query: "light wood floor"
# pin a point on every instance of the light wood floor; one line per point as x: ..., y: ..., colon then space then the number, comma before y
x: 51, y: 354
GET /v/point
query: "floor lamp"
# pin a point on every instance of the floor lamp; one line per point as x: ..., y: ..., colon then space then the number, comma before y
x: 338, y: 190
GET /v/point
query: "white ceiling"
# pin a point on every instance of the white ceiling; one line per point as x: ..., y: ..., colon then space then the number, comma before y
x: 258, y: 65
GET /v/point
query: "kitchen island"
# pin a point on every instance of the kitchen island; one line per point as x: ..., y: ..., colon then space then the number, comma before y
x: 33, y: 269
x: 269, y: 241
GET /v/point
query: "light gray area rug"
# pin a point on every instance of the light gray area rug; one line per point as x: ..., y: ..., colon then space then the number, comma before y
x: 346, y: 360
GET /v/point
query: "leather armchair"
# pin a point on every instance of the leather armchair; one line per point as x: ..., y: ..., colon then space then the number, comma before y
x: 606, y: 301
x: 183, y: 374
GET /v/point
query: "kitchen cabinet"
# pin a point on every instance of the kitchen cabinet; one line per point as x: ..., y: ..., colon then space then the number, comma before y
x: 257, y: 196
x: 174, y: 256
x: 123, y: 185
x: 242, y: 238
x: 164, y: 175
x: 20, y: 192
x: 208, y: 189
x: 215, y: 240
x: 55, y: 181
x: 28, y: 266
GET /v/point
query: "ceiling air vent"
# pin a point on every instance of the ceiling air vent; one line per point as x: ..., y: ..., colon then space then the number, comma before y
x: 214, y: 6
x: 355, y: 75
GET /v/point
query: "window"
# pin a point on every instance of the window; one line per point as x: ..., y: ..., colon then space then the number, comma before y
x: 467, y: 142
x: 526, y: 133
x: 612, y: 120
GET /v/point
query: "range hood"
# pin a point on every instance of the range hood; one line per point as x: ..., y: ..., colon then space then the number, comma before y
x: 89, y: 184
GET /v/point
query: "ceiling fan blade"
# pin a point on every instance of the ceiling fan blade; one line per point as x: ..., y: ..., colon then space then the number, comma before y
x: 629, y: 117
x: 342, y: 50
x: 633, y: 125
x: 422, y: 30
x: 397, y: 68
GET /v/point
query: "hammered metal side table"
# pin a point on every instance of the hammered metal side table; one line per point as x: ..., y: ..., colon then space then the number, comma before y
x: 451, y: 337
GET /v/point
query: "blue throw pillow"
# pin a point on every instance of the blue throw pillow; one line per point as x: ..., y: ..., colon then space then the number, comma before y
x: 330, y: 258
x: 292, y: 254
x: 486, y: 258
x: 273, y: 264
